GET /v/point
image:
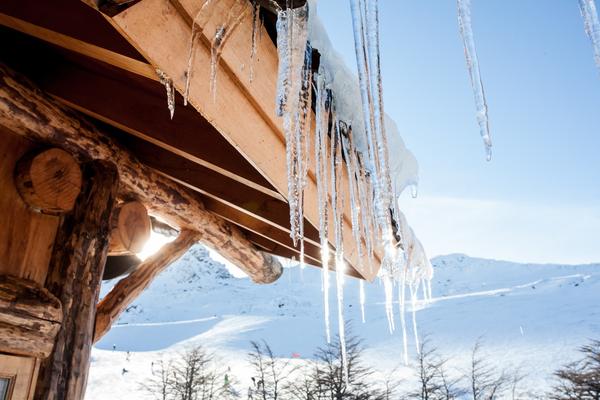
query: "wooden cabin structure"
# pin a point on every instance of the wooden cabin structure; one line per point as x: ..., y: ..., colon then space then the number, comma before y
x: 91, y: 161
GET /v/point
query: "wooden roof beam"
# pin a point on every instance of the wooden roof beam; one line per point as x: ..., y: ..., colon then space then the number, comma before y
x: 28, y: 112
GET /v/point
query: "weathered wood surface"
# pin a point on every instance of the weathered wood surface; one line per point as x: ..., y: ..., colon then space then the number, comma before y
x: 48, y: 181
x: 130, y: 228
x: 74, y: 277
x: 26, y: 237
x: 161, y: 30
x: 129, y: 288
x: 30, y: 317
x: 28, y: 112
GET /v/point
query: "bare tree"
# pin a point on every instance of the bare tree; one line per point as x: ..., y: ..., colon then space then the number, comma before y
x: 270, y: 372
x: 580, y: 379
x: 331, y: 380
x: 484, y: 381
x: 428, y: 365
x: 193, y: 375
x: 450, y: 388
x: 160, y: 383
x: 390, y: 385
x: 434, y: 381
x: 303, y: 386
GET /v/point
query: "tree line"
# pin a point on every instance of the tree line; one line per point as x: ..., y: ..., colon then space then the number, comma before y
x: 198, y: 375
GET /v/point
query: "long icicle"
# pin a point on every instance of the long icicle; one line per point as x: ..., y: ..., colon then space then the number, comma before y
x: 256, y: 30
x: 592, y: 25
x: 362, y: 300
x: 322, y: 129
x: 402, y: 306
x: 197, y: 24
x: 303, y: 140
x: 337, y: 201
x: 236, y: 15
x: 466, y: 32
x: 376, y: 85
x: 413, y: 300
x: 292, y: 33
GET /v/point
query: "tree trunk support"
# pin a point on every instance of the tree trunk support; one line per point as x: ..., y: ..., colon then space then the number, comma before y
x: 74, y: 277
x: 129, y: 288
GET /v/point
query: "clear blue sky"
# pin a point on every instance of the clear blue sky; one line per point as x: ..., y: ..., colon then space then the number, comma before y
x: 539, y: 198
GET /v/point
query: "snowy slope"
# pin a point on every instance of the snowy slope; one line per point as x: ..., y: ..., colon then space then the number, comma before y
x: 529, y: 316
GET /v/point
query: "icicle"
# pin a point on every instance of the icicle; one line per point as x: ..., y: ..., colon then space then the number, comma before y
x: 413, y: 300
x: 337, y: 201
x: 389, y: 301
x: 293, y: 103
x: 199, y: 21
x: 592, y: 25
x: 402, y: 306
x: 365, y: 196
x: 256, y: 30
x: 322, y: 112
x: 168, y: 84
x: 376, y: 85
x: 466, y: 32
x: 237, y: 13
x: 358, y: 22
x: 362, y: 299
x: 350, y: 157
x: 339, y: 277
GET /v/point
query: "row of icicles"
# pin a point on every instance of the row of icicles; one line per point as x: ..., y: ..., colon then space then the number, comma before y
x: 377, y: 223
x: 376, y: 220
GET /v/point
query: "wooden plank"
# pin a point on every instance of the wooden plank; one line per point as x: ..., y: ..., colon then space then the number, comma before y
x: 161, y: 34
x: 137, y: 105
x: 71, y: 18
x: 263, y: 229
x: 26, y: 237
x: 139, y: 108
x: 90, y: 50
x: 251, y: 202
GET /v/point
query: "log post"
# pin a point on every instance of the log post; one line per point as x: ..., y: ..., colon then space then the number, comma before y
x: 74, y: 277
x: 48, y: 181
x: 130, y: 228
x: 129, y: 288
x: 27, y: 112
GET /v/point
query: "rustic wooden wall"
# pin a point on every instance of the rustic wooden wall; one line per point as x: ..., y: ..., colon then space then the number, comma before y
x: 26, y: 236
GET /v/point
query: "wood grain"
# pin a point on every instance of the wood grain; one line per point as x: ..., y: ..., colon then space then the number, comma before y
x: 26, y: 237
x: 48, y: 181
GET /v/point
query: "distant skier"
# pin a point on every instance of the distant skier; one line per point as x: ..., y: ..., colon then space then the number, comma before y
x: 124, y: 371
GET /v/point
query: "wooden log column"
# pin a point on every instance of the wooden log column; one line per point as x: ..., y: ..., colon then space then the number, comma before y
x: 26, y: 111
x: 74, y: 277
x: 129, y: 288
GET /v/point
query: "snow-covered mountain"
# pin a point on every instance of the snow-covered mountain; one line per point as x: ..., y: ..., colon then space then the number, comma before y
x: 528, y: 316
